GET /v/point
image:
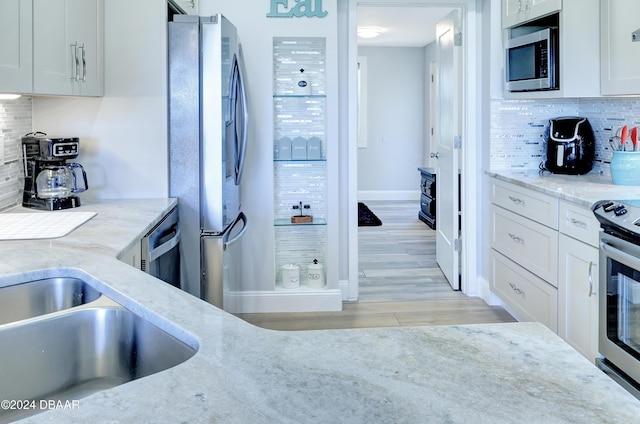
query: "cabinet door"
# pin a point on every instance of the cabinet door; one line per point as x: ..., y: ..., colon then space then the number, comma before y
x: 67, y: 47
x: 619, y: 54
x: 577, y: 298
x: 15, y: 49
x: 515, y: 12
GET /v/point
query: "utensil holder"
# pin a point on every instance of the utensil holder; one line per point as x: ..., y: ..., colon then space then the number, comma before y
x: 625, y: 168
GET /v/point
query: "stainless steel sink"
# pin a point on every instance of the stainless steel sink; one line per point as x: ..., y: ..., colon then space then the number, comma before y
x: 72, y: 353
x: 41, y: 297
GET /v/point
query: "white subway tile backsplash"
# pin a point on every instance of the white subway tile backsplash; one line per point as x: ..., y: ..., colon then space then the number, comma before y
x: 15, y: 121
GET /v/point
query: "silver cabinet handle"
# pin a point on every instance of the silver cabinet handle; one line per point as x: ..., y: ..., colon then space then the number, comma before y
x: 577, y: 223
x: 74, y: 53
x: 516, y: 289
x: 84, y: 63
x: 435, y: 155
x: 516, y: 238
x: 516, y: 200
x: 591, y: 292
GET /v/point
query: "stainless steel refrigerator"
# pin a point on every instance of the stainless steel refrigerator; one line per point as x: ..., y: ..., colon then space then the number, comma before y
x: 207, y: 143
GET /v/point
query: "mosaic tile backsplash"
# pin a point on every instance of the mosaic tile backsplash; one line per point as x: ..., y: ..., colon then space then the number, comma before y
x: 15, y: 121
x: 518, y: 128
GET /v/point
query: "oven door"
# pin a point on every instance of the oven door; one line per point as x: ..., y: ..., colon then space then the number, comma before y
x: 619, y: 302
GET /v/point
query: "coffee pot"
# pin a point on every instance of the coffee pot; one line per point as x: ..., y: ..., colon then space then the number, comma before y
x: 60, y: 181
x: 50, y: 182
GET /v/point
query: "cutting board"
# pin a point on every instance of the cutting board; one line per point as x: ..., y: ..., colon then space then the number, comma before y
x: 44, y: 225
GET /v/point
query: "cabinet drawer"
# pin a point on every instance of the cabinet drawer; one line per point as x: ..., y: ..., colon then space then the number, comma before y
x: 529, y: 296
x: 527, y: 243
x: 579, y: 222
x: 531, y: 204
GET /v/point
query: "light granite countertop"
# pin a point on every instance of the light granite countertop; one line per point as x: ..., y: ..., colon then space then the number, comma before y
x: 583, y: 189
x: 490, y: 373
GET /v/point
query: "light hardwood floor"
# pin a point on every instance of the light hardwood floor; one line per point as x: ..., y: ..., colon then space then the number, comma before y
x: 400, y: 283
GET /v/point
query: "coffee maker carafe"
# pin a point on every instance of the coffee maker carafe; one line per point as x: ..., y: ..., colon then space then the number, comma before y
x: 50, y: 182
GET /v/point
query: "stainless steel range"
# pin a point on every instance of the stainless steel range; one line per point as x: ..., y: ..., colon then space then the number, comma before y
x: 619, y: 301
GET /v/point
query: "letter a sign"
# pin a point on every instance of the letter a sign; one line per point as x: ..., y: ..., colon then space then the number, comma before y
x: 297, y: 9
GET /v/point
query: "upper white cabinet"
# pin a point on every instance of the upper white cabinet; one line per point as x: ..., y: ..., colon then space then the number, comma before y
x: 68, y: 47
x: 16, y: 47
x: 579, y: 40
x: 189, y: 6
x: 516, y: 12
x: 620, y: 54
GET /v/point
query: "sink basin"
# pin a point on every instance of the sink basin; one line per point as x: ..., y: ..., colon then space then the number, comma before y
x: 44, y: 296
x: 72, y: 353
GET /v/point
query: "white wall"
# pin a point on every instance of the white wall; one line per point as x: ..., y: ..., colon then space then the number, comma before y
x: 395, y: 123
x: 256, y: 32
x: 123, y: 135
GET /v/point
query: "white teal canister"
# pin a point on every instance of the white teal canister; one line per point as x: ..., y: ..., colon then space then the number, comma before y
x: 290, y: 276
x: 625, y: 168
x: 302, y: 85
x: 315, y: 275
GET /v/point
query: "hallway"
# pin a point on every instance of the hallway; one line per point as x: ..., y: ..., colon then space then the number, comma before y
x: 400, y: 282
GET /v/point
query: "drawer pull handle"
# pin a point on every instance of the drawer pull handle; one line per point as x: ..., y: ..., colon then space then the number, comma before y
x: 516, y: 289
x: 578, y: 223
x: 516, y: 200
x: 516, y: 238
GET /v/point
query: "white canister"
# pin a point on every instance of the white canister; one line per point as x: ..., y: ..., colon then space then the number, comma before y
x: 315, y: 275
x: 290, y: 276
x: 302, y: 83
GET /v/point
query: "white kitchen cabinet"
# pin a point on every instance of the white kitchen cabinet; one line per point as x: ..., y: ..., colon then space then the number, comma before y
x: 526, y: 242
x: 577, y: 295
x: 131, y: 256
x: 579, y: 41
x: 68, y: 47
x: 527, y: 295
x: 619, y: 53
x: 516, y: 12
x: 16, y: 63
x: 188, y: 6
x: 524, y: 251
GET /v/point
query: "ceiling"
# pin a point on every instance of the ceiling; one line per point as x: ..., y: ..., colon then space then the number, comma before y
x: 402, y: 26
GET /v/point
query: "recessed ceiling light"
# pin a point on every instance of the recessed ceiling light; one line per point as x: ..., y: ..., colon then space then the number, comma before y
x: 9, y: 96
x: 369, y: 32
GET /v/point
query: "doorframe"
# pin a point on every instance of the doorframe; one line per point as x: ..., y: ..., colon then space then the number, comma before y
x: 471, y: 18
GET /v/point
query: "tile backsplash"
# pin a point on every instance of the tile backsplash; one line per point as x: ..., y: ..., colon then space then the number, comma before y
x: 15, y: 121
x: 518, y: 128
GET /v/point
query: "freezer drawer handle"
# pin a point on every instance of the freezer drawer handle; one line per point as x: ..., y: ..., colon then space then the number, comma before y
x: 166, y: 246
x: 225, y: 240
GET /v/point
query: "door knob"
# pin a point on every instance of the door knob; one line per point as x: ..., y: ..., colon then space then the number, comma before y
x: 435, y: 155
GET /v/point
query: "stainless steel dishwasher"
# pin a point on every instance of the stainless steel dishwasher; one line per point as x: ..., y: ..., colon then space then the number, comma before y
x: 160, y: 255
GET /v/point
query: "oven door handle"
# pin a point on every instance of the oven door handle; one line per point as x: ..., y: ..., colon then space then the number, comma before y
x: 628, y: 258
x: 166, y: 246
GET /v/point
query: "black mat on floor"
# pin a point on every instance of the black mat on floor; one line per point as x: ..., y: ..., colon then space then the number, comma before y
x: 366, y: 218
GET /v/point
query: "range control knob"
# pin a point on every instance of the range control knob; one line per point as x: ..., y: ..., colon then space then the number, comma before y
x: 619, y: 210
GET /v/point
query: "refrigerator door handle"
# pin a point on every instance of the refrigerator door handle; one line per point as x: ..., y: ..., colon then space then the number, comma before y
x: 226, y: 242
x: 242, y: 97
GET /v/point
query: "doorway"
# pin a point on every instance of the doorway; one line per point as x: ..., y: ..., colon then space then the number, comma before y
x: 384, y: 174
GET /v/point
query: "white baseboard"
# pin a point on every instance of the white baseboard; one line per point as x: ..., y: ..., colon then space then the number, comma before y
x: 364, y: 195
x: 249, y: 302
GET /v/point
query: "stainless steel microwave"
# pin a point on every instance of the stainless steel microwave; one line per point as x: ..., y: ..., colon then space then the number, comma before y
x: 532, y: 61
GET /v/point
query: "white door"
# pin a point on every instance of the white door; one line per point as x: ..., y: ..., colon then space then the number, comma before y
x: 447, y: 130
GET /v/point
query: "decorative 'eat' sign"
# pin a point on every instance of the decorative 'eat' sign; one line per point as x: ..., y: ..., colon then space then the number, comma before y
x: 307, y: 8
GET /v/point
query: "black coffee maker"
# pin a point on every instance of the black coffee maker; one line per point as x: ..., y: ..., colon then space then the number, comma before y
x: 570, y: 146
x: 50, y: 183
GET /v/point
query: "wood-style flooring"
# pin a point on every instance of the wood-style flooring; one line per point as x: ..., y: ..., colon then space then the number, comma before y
x: 400, y: 283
